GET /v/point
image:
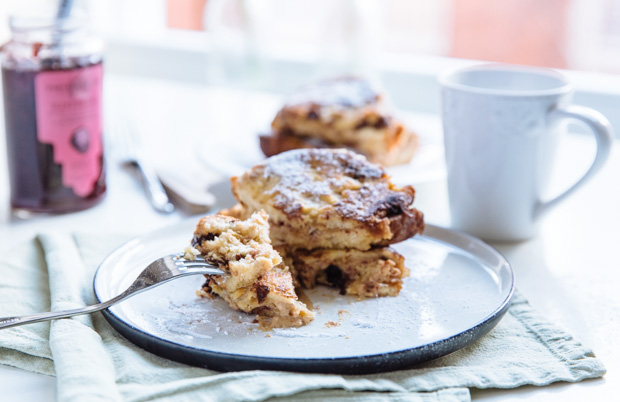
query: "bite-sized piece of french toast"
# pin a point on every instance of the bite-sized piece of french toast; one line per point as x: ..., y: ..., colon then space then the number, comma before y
x: 327, y: 198
x: 343, y: 112
x: 257, y: 282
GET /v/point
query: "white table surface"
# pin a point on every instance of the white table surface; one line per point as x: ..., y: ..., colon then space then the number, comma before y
x: 569, y: 272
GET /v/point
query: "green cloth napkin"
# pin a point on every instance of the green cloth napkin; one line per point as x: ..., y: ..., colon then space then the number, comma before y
x: 92, y: 362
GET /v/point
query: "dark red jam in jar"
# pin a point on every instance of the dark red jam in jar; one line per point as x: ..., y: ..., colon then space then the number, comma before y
x: 52, y: 80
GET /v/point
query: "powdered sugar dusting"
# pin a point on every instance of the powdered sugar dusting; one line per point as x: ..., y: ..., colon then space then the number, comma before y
x: 346, y: 92
x: 321, y: 177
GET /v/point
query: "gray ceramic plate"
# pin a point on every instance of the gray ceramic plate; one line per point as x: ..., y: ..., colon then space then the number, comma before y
x: 458, y: 290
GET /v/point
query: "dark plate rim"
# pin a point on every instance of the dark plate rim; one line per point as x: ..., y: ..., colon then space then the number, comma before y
x: 362, y: 364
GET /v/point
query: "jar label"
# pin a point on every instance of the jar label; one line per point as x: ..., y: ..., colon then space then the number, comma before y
x: 68, y: 105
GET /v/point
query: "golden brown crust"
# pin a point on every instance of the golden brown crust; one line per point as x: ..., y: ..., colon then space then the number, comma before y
x: 236, y: 211
x: 276, y: 143
x: 320, y: 198
x: 278, y: 281
x: 400, y: 150
x: 343, y: 112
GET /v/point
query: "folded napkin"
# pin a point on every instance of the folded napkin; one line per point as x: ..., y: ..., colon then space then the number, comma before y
x: 92, y: 362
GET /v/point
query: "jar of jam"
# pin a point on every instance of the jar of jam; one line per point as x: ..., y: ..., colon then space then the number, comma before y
x: 52, y: 80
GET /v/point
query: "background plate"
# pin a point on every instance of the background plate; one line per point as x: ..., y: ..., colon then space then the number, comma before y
x: 227, y: 159
x: 458, y: 290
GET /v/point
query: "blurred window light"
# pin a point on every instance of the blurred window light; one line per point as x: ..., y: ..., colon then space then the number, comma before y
x: 572, y: 34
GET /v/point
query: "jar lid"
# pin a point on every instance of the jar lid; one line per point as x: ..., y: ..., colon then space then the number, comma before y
x: 28, y: 24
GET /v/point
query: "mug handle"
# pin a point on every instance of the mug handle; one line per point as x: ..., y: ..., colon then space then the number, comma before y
x: 603, y: 132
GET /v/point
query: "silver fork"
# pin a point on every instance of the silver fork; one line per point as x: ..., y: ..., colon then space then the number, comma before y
x: 126, y: 143
x: 159, y: 271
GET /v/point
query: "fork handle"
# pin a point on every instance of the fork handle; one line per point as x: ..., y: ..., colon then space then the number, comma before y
x: 8, y: 322
x: 156, y: 193
x: 151, y: 277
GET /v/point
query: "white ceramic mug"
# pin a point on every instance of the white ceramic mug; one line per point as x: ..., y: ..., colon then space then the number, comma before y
x: 501, y: 127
